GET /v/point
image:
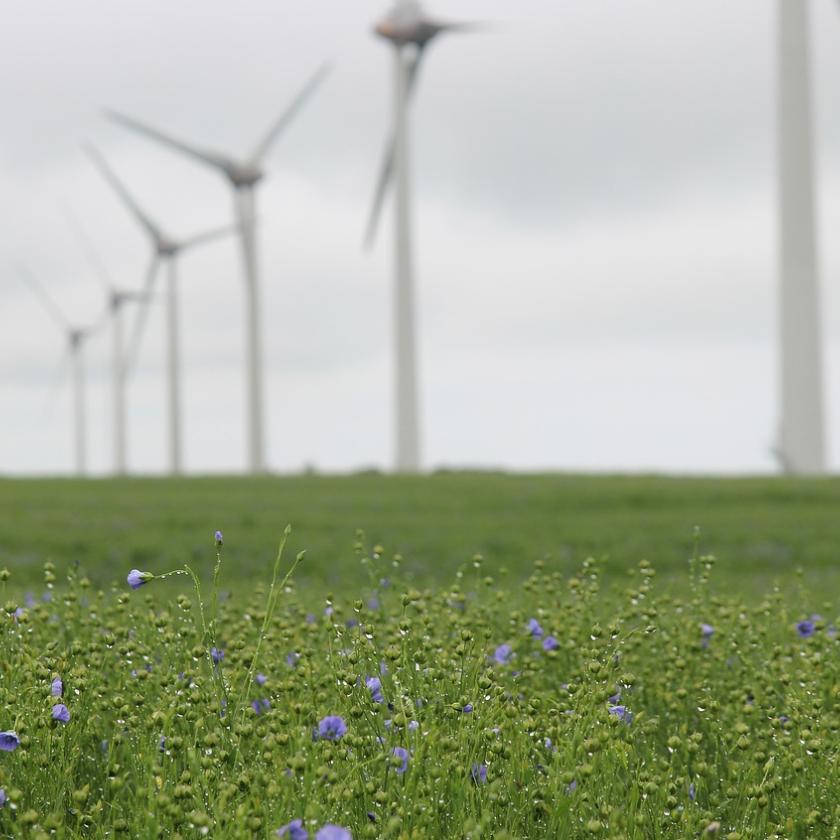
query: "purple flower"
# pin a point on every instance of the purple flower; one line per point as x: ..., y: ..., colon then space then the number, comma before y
x: 614, y: 698
x: 333, y: 832
x: 412, y: 725
x: 467, y: 709
x: 549, y: 745
x: 706, y: 629
x: 260, y: 679
x: 622, y: 713
x: 217, y: 655
x: 479, y: 773
x: 294, y: 830
x: 136, y: 578
x: 162, y: 743
x: 502, y: 654
x: 20, y: 612
x: 61, y: 713
x: 534, y: 628
x: 691, y: 792
x: 331, y: 728
x: 373, y: 603
x: 550, y: 643
x: 57, y: 687
x: 292, y: 659
x: 219, y: 538
x: 402, y: 754
x: 260, y: 706
x: 806, y: 628
x: 374, y: 685
x: 2, y: 798
x: 571, y: 787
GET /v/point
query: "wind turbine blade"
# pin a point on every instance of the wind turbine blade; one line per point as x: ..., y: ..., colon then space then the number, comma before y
x: 274, y: 132
x: 387, y: 168
x: 210, y: 158
x: 209, y: 236
x: 90, y: 253
x: 122, y: 192
x: 142, y: 316
x: 48, y: 304
x: 56, y: 382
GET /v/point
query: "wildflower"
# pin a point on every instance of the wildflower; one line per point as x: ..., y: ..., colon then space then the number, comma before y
x: 571, y: 787
x: 260, y: 706
x: 2, y: 798
x: 502, y: 654
x: 292, y: 659
x: 219, y: 538
x: 692, y: 792
x: 57, y: 687
x: 260, y: 679
x: 162, y: 743
x: 806, y: 628
x: 467, y: 709
x: 479, y: 773
x: 622, y: 713
x: 61, y: 713
x: 294, y: 830
x: 534, y: 628
x: 136, y: 578
x: 412, y: 725
x: 550, y: 643
x: 217, y: 655
x: 706, y: 629
x: 374, y: 685
x: 331, y: 728
x: 373, y: 603
x: 333, y: 832
x: 402, y: 754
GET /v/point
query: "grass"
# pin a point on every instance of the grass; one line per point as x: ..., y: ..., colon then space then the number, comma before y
x: 757, y: 528
x: 419, y: 691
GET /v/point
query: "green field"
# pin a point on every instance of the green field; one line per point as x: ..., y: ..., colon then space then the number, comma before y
x: 654, y: 692
x: 757, y: 528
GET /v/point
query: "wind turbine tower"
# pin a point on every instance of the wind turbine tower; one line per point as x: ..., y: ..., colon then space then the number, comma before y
x: 76, y: 337
x: 410, y: 31
x: 165, y: 251
x: 801, y: 445
x: 243, y: 174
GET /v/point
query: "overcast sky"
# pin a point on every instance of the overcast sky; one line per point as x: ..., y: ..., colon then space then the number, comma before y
x: 595, y: 230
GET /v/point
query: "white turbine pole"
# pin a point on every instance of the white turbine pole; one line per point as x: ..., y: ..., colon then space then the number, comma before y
x: 802, y: 438
x: 407, y: 425
x: 245, y: 204
x: 118, y: 374
x: 79, y: 405
x: 174, y: 385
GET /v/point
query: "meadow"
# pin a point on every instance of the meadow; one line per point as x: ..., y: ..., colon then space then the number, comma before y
x: 456, y: 656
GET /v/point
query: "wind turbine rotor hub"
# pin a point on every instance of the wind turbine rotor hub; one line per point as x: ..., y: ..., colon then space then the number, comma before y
x: 244, y: 175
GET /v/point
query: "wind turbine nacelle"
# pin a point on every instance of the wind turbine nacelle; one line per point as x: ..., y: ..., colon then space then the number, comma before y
x: 401, y: 30
x: 244, y: 175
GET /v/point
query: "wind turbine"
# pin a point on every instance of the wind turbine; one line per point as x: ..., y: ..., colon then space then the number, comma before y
x: 410, y: 31
x: 165, y: 251
x: 801, y: 445
x: 243, y: 175
x: 115, y: 299
x: 76, y: 336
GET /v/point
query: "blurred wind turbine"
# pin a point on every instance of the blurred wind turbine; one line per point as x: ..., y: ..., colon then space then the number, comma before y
x: 115, y: 300
x: 410, y: 32
x: 243, y: 175
x: 165, y: 250
x: 801, y: 444
x: 76, y: 337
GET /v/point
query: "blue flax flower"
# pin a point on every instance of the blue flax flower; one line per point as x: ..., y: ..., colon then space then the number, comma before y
x: 622, y: 713
x: 333, y: 832
x: 61, y: 713
x: 57, y: 687
x: 402, y: 754
x: 550, y: 643
x: 374, y: 685
x: 534, y: 628
x: 260, y: 679
x: 806, y: 628
x: 217, y: 655
x: 479, y: 773
x: 2, y: 798
x: 294, y: 830
x: 136, y: 578
x: 503, y: 653
x: 331, y: 728
x: 467, y: 708
x: 219, y: 538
